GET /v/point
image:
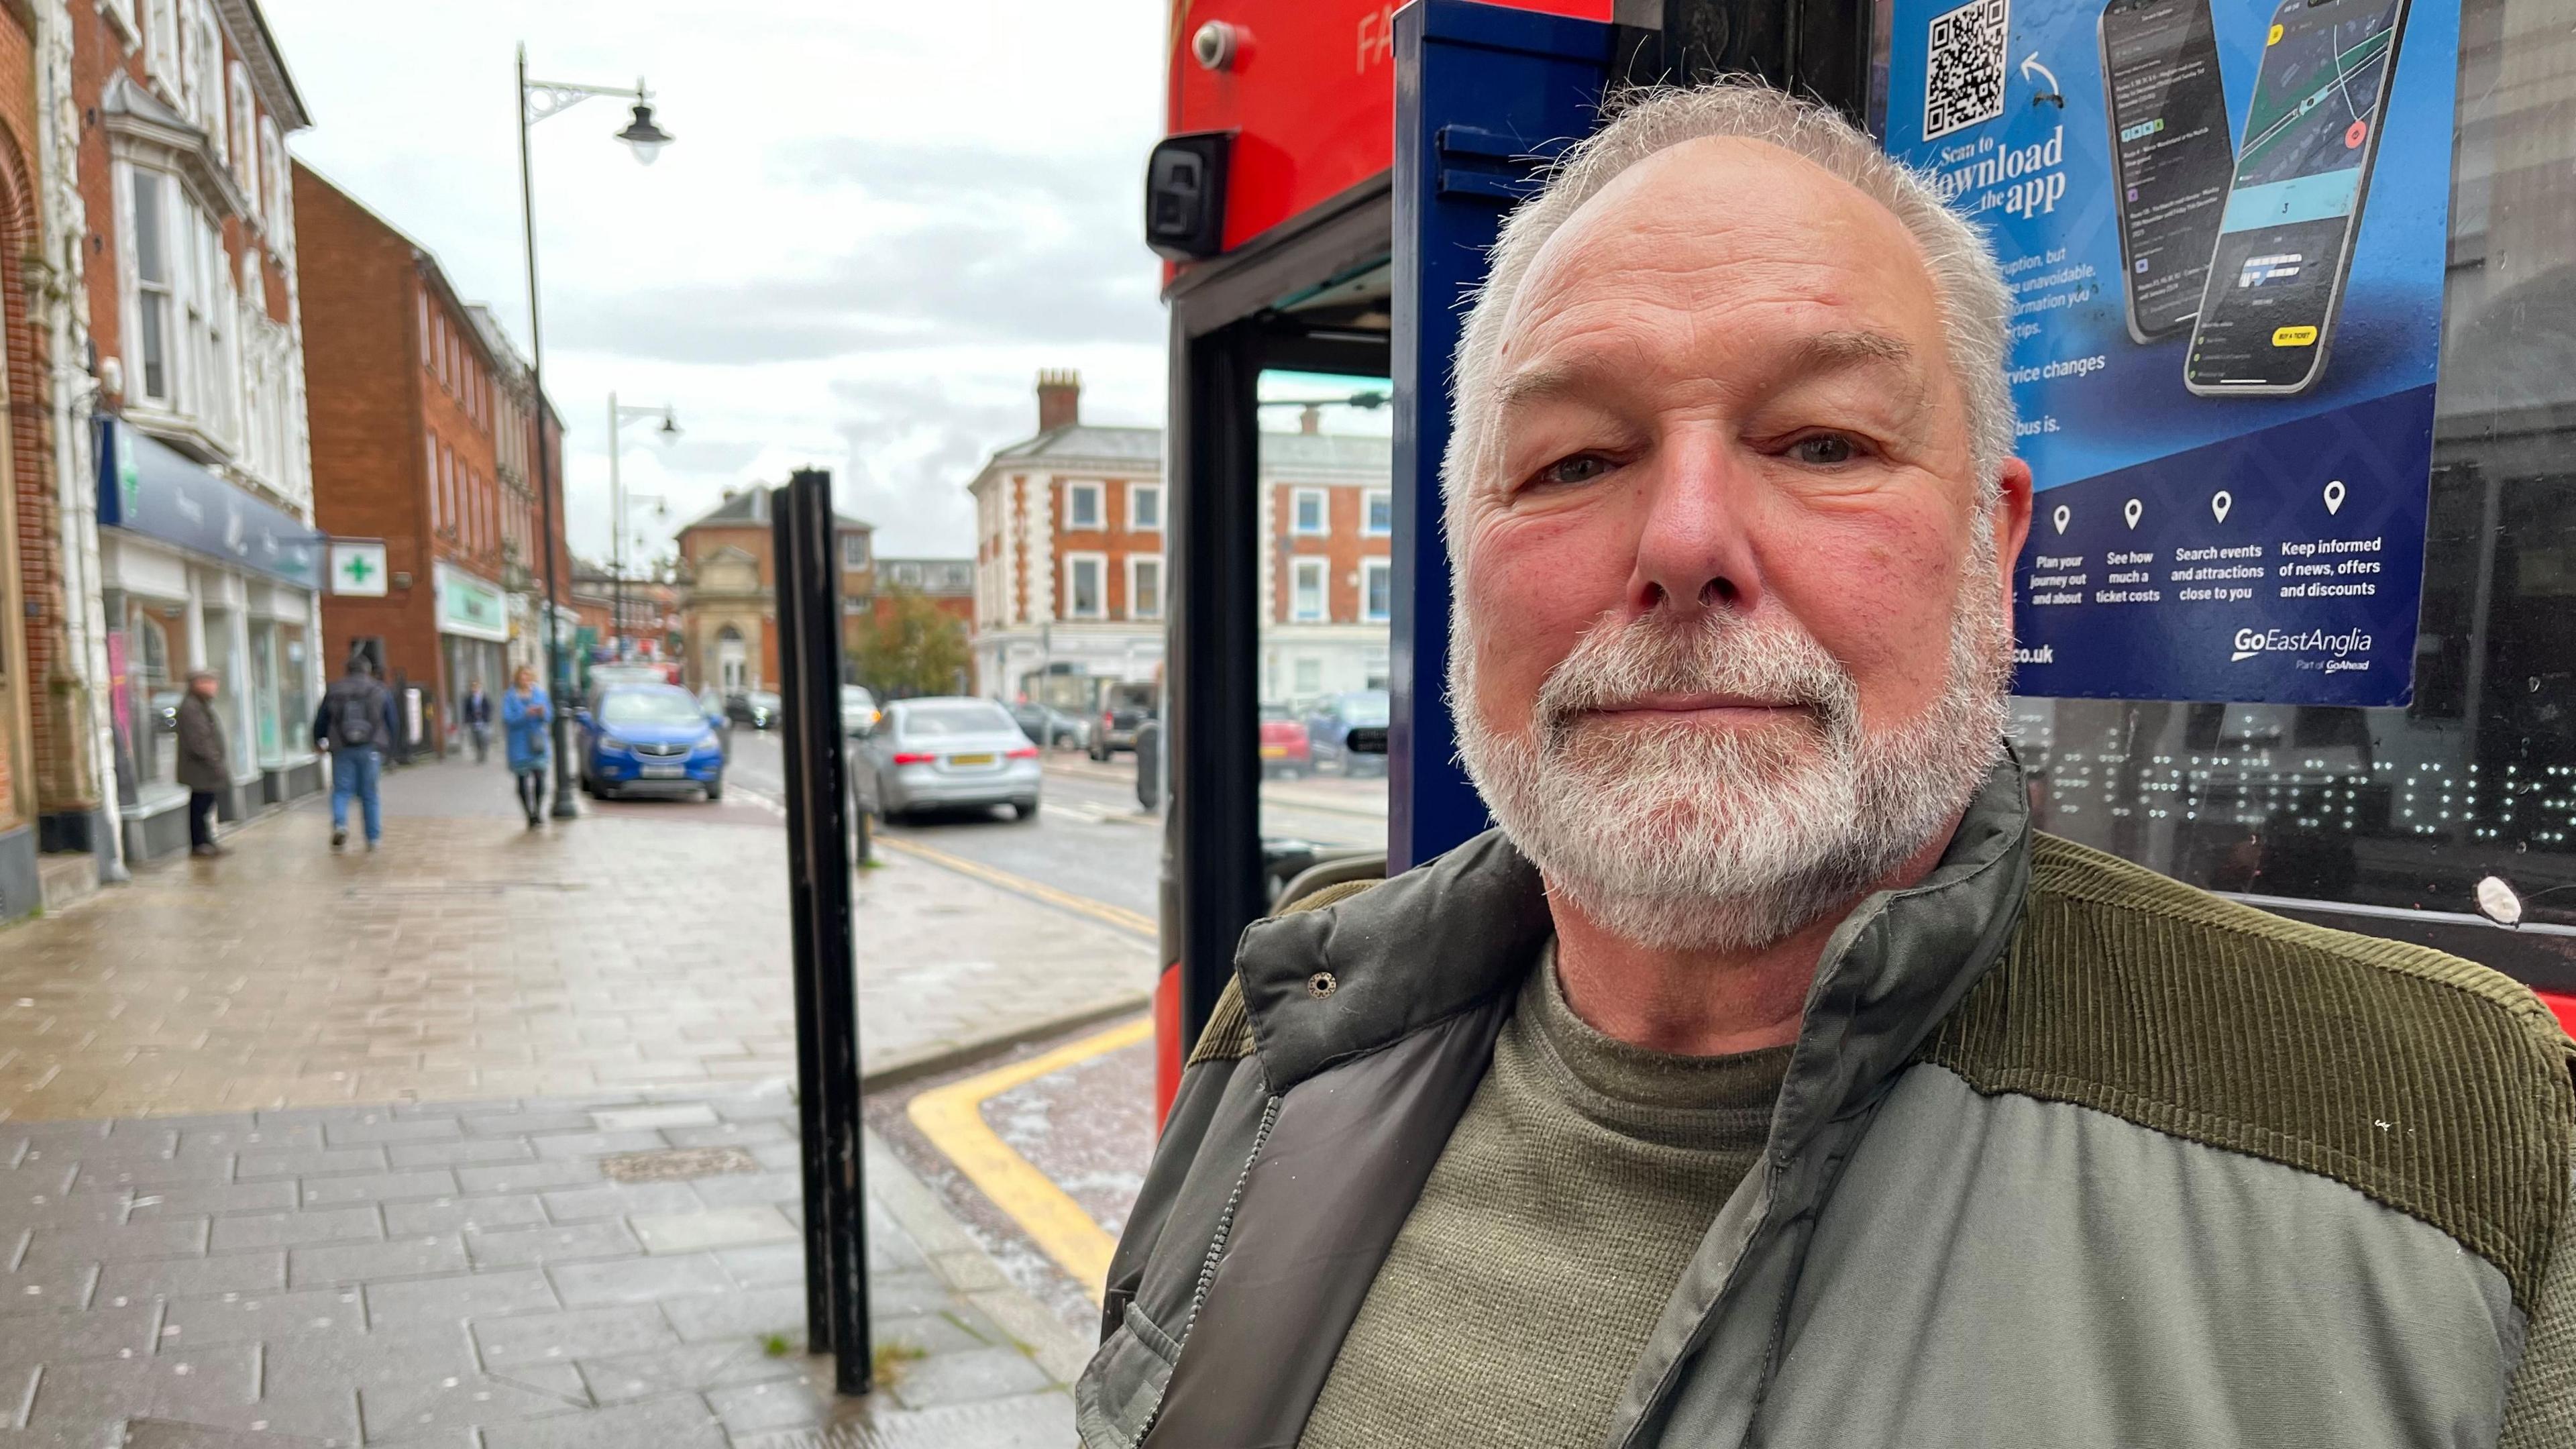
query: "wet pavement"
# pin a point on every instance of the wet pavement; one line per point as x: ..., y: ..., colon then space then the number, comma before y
x: 476, y: 1274
x: 645, y: 944
x: 300, y: 1147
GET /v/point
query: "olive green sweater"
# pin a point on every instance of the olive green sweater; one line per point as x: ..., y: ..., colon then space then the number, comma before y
x: 1539, y: 1256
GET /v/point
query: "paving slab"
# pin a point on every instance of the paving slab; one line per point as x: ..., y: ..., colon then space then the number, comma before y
x: 377, y: 1204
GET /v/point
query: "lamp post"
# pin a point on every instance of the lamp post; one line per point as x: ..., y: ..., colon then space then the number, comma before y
x: 538, y: 100
x: 618, y: 418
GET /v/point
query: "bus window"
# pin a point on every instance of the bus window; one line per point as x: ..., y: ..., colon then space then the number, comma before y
x: 1327, y: 592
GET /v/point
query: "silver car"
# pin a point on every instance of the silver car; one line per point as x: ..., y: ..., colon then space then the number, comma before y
x: 950, y: 752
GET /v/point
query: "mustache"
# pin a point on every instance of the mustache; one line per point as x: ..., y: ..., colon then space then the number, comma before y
x: 1766, y: 656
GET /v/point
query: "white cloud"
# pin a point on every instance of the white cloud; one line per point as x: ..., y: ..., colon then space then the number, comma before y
x: 877, y: 223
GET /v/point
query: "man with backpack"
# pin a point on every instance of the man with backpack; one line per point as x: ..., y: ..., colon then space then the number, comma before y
x: 356, y: 724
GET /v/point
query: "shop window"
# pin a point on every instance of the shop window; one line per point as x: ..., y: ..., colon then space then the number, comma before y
x: 295, y: 704
x: 1310, y: 676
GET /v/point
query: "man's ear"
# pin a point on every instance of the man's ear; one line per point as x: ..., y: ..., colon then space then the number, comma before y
x: 2012, y: 518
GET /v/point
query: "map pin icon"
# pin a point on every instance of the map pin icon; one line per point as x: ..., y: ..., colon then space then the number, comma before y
x: 2334, y: 496
x: 2133, y: 511
x: 2061, y: 517
x: 2220, y: 502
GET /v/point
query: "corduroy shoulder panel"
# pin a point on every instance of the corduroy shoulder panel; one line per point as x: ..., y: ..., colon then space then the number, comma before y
x: 2428, y: 1083
x: 1228, y: 1037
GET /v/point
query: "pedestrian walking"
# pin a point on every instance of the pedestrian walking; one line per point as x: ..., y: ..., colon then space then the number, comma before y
x: 478, y: 719
x: 356, y: 724
x: 204, y: 765
x: 526, y: 714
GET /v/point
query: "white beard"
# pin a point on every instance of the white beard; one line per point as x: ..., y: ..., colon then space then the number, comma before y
x: 1679, y: 838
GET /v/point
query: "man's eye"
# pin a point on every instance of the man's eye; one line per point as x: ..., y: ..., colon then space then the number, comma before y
x: 1824, y: 449
x: 1581, y: 468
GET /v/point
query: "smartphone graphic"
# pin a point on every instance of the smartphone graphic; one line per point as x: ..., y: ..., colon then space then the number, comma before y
x: 2267, y: 308
x: 2168, y: 118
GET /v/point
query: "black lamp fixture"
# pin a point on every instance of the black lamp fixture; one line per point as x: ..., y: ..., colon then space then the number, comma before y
x: 646, y: 138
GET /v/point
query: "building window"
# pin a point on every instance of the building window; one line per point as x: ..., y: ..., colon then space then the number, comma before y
x: 245, y: 156
x: 1377, y: 589
x: 1308, y: 513
x: 152, y: 282
x: 433, y: 478
x: 1307, y: 605
x: 1144, y: 587
x: 1381, y: 513
x: 1082, y: 505
x: 854, y: 551
x: 1310, y: 676
x: 1145, y: 507
x: 1085, y: 589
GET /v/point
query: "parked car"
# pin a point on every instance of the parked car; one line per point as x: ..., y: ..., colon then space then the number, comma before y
x: 1051, y: 727
x: 858, y: 710
x: 711, y: 703
x: 649, y: 737
x: 757, y: 708
x: 1286, y: 749
x: 1125, y: 707
x: 950, y: 751
x: 1335, y: 716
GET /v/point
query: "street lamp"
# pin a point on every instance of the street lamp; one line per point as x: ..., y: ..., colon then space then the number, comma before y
x: 618, y: 418
x: 538, y: 100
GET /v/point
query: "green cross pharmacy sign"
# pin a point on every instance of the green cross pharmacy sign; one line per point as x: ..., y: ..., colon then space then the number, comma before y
x: 358, y: 567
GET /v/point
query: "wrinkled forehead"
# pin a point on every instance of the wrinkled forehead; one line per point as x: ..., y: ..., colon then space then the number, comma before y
x: 1725, y: 235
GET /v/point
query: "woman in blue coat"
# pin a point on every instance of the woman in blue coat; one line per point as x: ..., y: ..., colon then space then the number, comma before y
x: 525, y: 713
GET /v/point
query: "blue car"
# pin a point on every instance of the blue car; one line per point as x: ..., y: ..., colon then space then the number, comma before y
x: 649, y: 738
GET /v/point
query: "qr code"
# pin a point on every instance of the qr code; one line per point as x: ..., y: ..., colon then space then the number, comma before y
x: 1963, y: 79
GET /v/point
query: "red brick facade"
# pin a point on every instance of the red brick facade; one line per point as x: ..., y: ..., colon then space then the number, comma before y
x: 1343, y: 545
x: 406, y: 401
x: 34, y: 750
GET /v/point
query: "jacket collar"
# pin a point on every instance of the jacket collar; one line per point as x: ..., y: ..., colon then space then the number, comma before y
x: 1455, y: 931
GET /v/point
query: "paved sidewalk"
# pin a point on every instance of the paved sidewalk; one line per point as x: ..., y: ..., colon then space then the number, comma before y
x: 484, y: 1140
x: 613, y: 1272
x: 645, y: 944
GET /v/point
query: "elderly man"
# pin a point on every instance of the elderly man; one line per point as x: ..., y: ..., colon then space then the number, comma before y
x: 1765, y: 1079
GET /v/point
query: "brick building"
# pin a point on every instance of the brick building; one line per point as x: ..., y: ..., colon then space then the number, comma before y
x: 1070, y: 575
x: 32, y: 597
x: 949, y: 584
x: 420, y: 439
x: 175, y: 376
x: 729, y: 608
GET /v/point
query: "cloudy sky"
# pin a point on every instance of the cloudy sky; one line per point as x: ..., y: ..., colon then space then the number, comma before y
x: 878, y: 223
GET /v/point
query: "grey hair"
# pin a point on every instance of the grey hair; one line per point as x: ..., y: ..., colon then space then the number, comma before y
x: 1976, y: 306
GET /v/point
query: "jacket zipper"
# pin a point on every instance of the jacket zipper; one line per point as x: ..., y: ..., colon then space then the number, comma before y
x: 1208, y: 1265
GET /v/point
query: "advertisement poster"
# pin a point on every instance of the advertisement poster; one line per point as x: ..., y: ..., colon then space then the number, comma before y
x: 2224, y: 225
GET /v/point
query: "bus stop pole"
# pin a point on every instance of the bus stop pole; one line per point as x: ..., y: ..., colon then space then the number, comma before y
x: 809, y: 1011
x: 807, y: 586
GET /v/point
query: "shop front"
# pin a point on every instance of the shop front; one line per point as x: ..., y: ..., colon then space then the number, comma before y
x: 473, y: 643
x: 200, y: 574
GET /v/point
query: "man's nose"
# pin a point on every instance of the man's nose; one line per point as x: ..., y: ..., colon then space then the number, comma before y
x: 1695, y: 542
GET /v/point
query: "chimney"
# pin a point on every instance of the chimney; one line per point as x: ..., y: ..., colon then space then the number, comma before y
x: 1311, y: 421
x: 1059, y: 398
